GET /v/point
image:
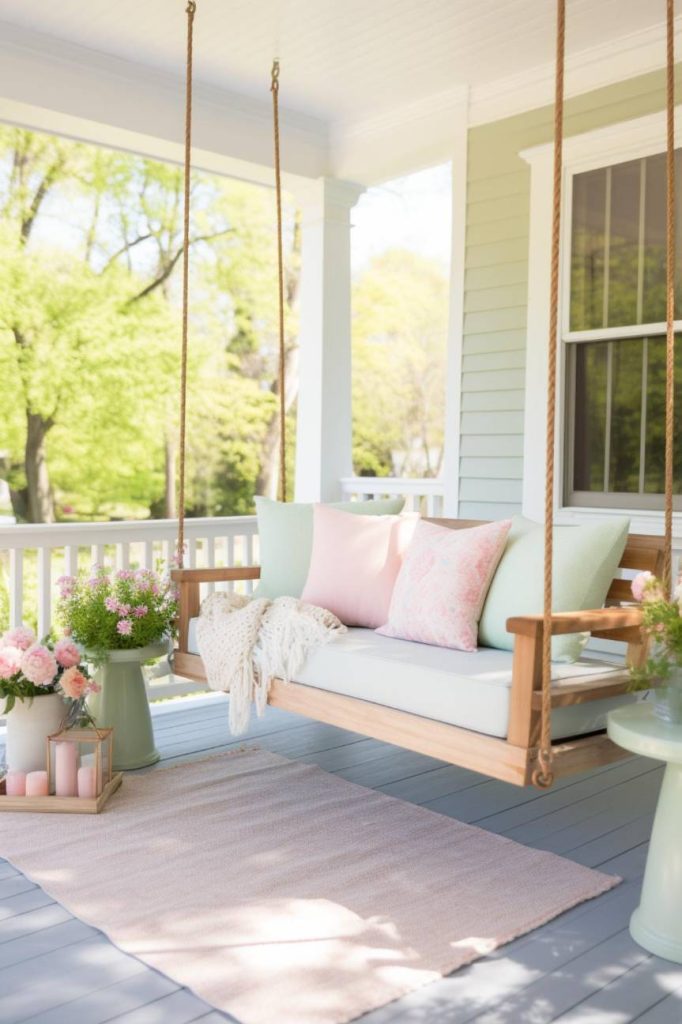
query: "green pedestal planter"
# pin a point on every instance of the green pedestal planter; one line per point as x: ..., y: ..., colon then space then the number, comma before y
x: 122, y: 705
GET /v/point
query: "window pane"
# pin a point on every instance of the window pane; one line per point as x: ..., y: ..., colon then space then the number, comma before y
x: 590, y: 416
x: 654, y: 241
x: 623, y: 245
x: 626, y: 415
x: 655, y: 424
x: 587, y: 254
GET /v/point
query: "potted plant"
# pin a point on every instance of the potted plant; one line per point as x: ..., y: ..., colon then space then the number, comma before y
x: 35, y: 681
x: 662, y: 624
x: 122, y: 620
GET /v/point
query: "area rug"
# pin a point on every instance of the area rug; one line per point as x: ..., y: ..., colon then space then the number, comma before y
x: 284, y: 895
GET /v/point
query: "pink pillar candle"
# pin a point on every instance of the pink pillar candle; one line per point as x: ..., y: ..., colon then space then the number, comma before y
x: 36, y: 784
x: 66, y: 769
x: 87, y: 782
x: 15, y: 784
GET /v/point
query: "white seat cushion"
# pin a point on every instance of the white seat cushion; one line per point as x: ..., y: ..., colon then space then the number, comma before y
x: 470, y: 690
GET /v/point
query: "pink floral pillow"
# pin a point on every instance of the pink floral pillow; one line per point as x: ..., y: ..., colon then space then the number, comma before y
x: 439, y: 594
x: 355, y: 562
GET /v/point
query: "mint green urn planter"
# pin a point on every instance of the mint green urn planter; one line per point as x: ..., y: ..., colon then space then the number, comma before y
x: 122, y: 705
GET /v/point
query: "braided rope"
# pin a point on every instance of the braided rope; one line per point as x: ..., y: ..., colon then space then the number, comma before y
x: 543, y: 776
x: 180, y: 554
x: 670, y: 291
x: 274, y: 89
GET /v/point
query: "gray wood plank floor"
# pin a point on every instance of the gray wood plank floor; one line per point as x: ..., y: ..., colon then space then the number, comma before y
x: 581, y: 968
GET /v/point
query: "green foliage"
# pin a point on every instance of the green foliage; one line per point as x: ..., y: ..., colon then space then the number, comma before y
x: 662, y: 624
x: 119, y: 611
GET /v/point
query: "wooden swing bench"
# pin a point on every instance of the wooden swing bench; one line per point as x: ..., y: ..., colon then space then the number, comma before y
x: 512, y: 758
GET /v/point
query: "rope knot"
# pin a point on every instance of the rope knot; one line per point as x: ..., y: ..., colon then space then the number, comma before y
x: 274, y: 81
x: 191, y: 7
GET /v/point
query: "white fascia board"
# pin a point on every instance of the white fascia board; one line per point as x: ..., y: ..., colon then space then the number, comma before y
x: 53, y: 85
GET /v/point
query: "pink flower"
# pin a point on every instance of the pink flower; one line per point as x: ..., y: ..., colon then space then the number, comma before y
x: 641, y: 583
x: 123, y: 609
x: 140, y: 610
x: 21, y: 637
x: 124, y: 627
x: 111, y: 604
x: 74, y: 683
x: 39, y: 665
x: 66, y: 585
x: 10, y: 659
x: 125, y: 574
x: 66, y: 653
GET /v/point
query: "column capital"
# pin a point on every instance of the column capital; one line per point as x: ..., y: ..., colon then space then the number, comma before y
x: 326, y: 196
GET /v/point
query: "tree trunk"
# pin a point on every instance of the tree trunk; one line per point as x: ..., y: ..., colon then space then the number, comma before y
x: 267, y: 483
x: 40, y: 501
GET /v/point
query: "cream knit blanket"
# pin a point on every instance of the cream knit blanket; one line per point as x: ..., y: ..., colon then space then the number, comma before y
x: 246, y: 642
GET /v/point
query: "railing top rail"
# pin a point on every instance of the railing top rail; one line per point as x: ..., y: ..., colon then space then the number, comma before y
x: 386, y: 484
x: 27, y: 535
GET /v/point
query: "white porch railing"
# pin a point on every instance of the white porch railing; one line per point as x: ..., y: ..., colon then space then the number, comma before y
x: 33, y: 557
x: 424, y: 496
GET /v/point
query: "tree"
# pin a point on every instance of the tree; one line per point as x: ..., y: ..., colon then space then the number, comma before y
x: 399, y: 353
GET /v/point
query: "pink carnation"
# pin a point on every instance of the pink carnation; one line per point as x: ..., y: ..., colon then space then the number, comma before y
x: 124, y: 627
x: 39, y: 665
x: 66, y: 653
x: 140, y: 610
x: 21, y: 637
x: 74, y: 683
x: 10, y: 659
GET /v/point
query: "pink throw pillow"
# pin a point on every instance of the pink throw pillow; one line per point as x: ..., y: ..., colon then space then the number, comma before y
x: 355, y: 562
x: 439, y: 594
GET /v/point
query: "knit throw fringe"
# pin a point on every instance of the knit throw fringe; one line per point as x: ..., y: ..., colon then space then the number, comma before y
x: 246, y: 642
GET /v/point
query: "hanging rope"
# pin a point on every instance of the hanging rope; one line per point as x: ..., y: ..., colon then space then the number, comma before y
x: 542, y: 776
x: 670, y: 293
x: 274, y: 89
x: 180, y: 554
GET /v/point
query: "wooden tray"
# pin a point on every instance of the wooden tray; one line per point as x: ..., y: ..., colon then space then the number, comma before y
x: 60, y: 804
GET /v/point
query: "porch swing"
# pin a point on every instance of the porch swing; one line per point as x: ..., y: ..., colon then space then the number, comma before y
x: 527, y: 754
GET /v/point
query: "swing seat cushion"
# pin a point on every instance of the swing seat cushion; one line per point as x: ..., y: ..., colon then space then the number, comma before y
x: 470, y: 690
x: 586, y: 559
x: 285, y: 536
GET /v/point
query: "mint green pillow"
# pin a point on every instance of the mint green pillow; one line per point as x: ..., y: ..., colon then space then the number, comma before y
x: 285, y: 533
x: 586, y: 558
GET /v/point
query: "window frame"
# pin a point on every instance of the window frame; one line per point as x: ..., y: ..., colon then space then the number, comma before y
x: 603, y: 147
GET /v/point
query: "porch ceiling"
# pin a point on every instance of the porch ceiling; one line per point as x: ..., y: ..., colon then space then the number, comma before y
x: 352, y: 71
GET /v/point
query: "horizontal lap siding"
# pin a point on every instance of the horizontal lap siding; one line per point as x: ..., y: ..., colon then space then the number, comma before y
x: 496, y: 287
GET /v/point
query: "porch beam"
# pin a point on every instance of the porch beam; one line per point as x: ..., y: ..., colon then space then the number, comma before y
x: 324, y: 424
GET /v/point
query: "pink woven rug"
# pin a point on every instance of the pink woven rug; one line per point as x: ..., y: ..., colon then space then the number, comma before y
x: 280, y: 893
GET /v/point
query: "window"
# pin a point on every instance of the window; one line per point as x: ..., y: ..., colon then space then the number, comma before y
x: 614, y: 336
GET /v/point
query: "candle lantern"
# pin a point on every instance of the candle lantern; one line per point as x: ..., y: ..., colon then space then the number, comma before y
x: 79, y: 762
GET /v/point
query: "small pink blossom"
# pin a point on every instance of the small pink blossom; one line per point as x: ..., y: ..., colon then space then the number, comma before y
x: 140, y: 610
x: 111, y: 603
x: 10, y: 659
x: 39, y: 665
x: 66, y: 653
x: 641, y: 583
x: 21, y: 636
x: 125, y: 574
x: 74, y: 683
x: 124, y: 627
x: 66, y: 585
x: 123, y: 609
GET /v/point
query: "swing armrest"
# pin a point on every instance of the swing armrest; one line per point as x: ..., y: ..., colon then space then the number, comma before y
x: 607, y: 623
x: 221, y: 575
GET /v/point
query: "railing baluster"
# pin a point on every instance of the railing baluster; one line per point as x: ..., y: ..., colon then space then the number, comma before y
x: 44, y: 590
x: 123, y: 555
x: 149, y: 554
x: 71, y: 560
x: 16, y: 586
x: 210, y: 558
x: 192, y: 553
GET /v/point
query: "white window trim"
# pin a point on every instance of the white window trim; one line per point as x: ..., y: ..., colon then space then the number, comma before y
x: 627, y: 140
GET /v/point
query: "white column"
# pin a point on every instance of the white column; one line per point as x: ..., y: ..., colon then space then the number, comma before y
x: 324, y: 427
